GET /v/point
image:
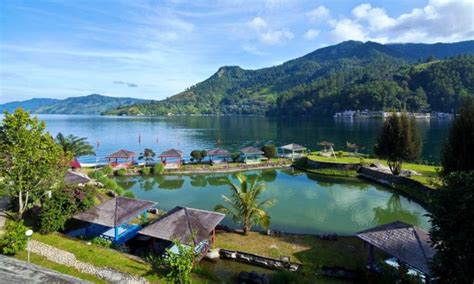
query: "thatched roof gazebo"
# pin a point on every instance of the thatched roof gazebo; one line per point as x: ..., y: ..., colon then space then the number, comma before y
x: 123, y: 155
x: 292, y: 151
x: 218, y: 155
x: 76, y: 178
x: 405, y: 242
x: 251, y: 155
x: 171, y: 158
x: 110, y: 219
x: 187, y: 225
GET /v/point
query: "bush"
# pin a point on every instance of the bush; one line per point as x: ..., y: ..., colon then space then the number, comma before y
x: 122, y: 172
x: 146, y: 170
x: 339, y: 154
x: 62, y: 205
x: 269, y: 151
x: 128, y: 194
x: 101, y: 242
x: 96, y: 175
x: 158, y: 169
x: 14, y: 239
x: 235, y: 156
x: 198, y: 155
x: 108, y: 170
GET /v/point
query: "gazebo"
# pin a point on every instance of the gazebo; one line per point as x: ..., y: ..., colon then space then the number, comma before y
x: 74, y: 164
x: 218, y: 156
x: 171, y: 158
x: 76, y: 178
x: 292, y: 151
x: 251, y: 155
x: 328, y: 148
x: 187, y: 225
x: 110, y: 219
x: 123, y: 155
x: 407, y: 243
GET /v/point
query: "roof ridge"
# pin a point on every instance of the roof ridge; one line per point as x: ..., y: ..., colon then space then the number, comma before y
x: 202, y: 210
x: 189, y: 225
x: 415, y: 232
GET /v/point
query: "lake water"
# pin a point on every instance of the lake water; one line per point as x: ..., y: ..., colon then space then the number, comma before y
x: 305, y: 203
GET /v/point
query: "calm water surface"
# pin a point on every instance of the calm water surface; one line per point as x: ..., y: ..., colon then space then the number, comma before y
x: 305, y: 203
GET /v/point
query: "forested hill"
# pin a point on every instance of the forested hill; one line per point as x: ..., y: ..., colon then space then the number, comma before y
x: 349, y: 75
x: 91, y: 104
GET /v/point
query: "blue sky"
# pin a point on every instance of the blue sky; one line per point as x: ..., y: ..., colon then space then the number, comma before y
x: 155, y: 49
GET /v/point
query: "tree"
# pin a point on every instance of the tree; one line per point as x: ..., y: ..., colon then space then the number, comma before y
x: 452, y: 231
x: 75, y: 145
x: 180, y: 264
x: 147, y: 155
x: 398, y: 141
x: 245, y: 206
x: 31, y: 163
x: 269, y: 151
x: 457, y: 151
x: 198, y: 155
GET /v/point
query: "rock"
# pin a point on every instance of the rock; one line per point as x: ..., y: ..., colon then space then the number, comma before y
x: 212, y: 254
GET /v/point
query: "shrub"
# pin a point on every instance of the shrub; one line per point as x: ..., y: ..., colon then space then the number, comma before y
x: 158, y: 169
x: 269, y: 151
x: 62, y: 205
x: 14, y: 239
x: 96, y: 174
x: 146, y: 170
x: 235, y: 156
x: 108, y: 170
x: 122, y: 172
x: 101, y: 242
x: 340, y: 154
x: 198, y: 155
x: 128, y: 194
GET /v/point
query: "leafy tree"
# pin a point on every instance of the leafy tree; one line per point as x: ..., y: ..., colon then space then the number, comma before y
x: 180, y: 264
x: 75, y: 145
x: 147, y: 155
x: 269, y: 151
x: 244, y: 205
x: 198, y: 155
x: 457, y: 151
x: 158, y: 169
x: 14, y: 239
x: 452, y: 231
x: 398, y: 141
x: 235, y: 156
x: 31, y: 163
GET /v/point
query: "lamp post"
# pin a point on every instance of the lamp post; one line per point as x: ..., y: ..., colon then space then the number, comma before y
x: 29, y: 233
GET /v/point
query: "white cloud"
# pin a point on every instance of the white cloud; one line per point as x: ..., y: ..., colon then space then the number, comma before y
x: 257, y: 24
x: 311, y: 34
x: 275, y: 37
x: 253, y: 50
x: 439, y: 20
x: 319, y: 14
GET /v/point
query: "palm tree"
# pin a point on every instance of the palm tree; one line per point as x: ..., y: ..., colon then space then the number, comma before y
x: 76, y: 145
x: 147, y: 155
x: 245, y: 208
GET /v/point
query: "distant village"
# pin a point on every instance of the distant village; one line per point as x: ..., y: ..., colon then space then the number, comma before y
x: 351, y: 114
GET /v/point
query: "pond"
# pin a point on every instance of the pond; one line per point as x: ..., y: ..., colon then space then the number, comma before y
x: 305, y: 203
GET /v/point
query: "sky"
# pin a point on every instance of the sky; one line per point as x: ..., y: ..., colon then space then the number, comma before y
x: 155, y: 49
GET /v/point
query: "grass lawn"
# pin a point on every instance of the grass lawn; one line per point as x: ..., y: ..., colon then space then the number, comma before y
x: 348, y: 252
x: 43, y: 262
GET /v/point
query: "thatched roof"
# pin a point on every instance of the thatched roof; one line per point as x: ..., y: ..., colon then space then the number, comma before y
x: 181, y: 222
x: 172, y: 153
x: 218, y: 152
x: 251, y: 150
x: 115, y: 212
x: 76, y: 178
x: 122, y: 154
x: 326, y: 144
x: 403, y: 241
x: 293, y: 147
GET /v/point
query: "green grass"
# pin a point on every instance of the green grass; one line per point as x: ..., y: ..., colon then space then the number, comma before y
x: 333, y: 172
x: 43, y: 262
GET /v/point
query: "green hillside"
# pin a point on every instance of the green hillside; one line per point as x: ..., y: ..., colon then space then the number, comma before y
x: 350, y: 75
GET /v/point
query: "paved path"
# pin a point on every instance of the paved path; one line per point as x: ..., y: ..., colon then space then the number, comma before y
x: 69, y: 259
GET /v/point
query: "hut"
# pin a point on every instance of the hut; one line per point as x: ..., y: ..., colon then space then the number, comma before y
x: 251, y: 155
x: 76, y: 178
x: 187, y: 225
x: 328, y: 148
x: 172, y: 158
x: 292, y: 151
x: 110, y: 219
x: 74, y: 164
x: 407, y: 243
x: 218, y: 156
x: 126, y: 155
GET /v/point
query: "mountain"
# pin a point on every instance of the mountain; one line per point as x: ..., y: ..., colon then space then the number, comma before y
x: 351, y: 74
x: 28, y: 104
x: 91, y: 104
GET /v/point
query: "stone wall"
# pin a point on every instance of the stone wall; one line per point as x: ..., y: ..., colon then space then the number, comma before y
x: 328, y: 165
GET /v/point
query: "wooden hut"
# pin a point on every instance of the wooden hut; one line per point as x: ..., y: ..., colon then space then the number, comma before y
x: 127, y: 156
x: 110, y: 219
x: 292, y: 151
x: 74, y: 164
x: 218, y: 156
x: 251, y: 155
x: 172, y: 158
x: 187, y: 225
x: 76, y: 178
x: 407, y: 243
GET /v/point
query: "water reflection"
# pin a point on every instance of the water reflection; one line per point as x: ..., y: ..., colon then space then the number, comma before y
x: 306, y: 203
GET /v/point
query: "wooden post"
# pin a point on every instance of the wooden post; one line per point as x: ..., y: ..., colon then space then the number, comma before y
x: 213, y: 238
x: 116, y: 233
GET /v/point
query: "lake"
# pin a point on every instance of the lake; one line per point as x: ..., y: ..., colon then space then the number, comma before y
x: 305, y: 203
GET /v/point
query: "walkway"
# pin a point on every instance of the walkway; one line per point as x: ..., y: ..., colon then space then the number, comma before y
x: 69, y: 259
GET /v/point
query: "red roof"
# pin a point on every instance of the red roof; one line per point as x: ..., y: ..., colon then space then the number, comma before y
x: 74, y: 163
